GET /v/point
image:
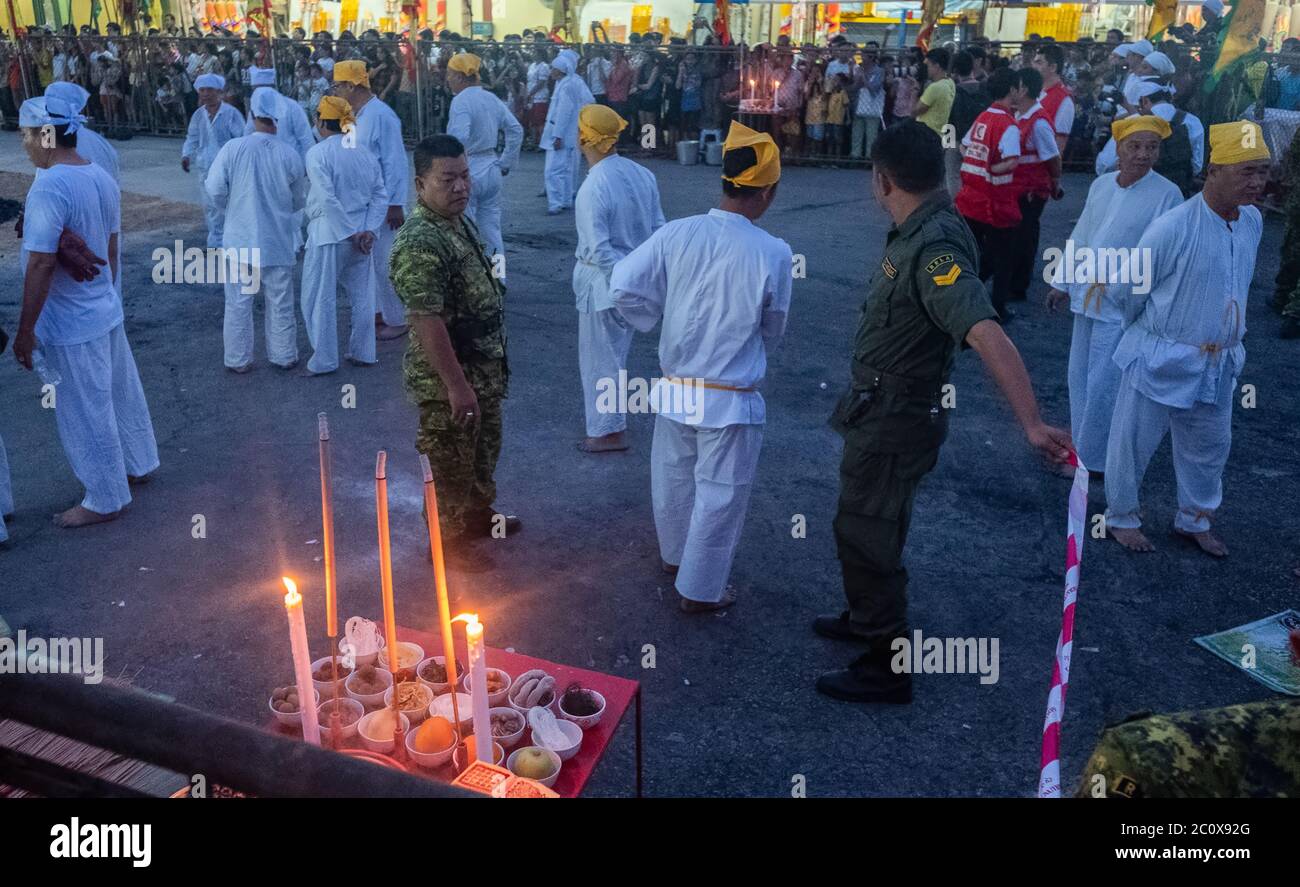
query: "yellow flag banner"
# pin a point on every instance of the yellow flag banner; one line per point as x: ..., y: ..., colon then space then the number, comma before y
x: 1241, y: 32
x: 1163, y: 14
x: 563, y: 19
x: 931, y: 10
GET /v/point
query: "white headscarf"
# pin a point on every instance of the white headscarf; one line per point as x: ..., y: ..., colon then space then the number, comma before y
x: 564, y: 63
x: 1160, y: 63
x: 261, y: 76
x: 266, y: 103
x: 53, y: 109
x: 209, y: 81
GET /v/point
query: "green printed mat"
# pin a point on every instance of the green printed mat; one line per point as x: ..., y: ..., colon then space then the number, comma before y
x: 1270, y: 637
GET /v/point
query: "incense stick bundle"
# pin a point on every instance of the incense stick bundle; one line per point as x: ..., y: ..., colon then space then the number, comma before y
x: 440, y: 581
x: 386, y: 583
x: 331, y: 590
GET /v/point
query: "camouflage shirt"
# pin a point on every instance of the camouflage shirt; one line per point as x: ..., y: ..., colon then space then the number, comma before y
x: 438, y: 268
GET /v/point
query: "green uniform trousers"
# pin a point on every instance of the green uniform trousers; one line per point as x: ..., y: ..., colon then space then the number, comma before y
x: 463, y: 461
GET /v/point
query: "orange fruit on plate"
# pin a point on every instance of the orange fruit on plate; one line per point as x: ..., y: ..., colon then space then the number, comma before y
x: 434, y: 735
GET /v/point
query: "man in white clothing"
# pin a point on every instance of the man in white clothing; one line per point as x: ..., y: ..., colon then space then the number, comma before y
x: 1182, y: 156
x: 560, y: 135
x: 478, y: 118
x: 345, y: 207
x: 260, y: 183
x: 616, y: 210
x: 722, y: 287
x: 75, y: 328
x: 380, y: 131
x: 294, y: 129
x: 213, y: 123
x: 1182, y: 352
x: 1100, y: 255
x: 6, y: 492
x: 90, y: 144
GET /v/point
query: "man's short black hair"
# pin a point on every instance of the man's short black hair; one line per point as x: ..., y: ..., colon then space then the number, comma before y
x: 940, y: 57
x: 975, y: 51
x: 434, y: 147
x: 62, y: 138
x: 333, y: 125
x: 1053, y: 55
x: 735, y: 162
x: 911, y: 154
x: 1031, y: 80
x: 963, y: 64
x: 1000, y: 83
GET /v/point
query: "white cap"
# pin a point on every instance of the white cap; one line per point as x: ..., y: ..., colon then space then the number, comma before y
x: 1142, y: 48
x: 266, y: 103
x: 209, y: 81
x: 261, y: 76
x: 1160, y: 63
x: 1122, y: 50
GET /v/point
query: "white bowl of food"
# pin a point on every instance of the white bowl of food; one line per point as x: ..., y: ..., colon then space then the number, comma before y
x: 588, y: 707
x: 432, y: 672
x: 508, y: 725
x: 532, y: 688
x: 418, y: 746
x: 322, y: 676
x: 498, y: 754
x: 498, y: 685
x: 350, y: 712
x: 376, y: 730
x: 535, y: 762
x: 441, y: 706
x: 572, y: 732
x: 409, y: 655
x: 368, y: 684
x: 413, y: 700
x: 286, y: 706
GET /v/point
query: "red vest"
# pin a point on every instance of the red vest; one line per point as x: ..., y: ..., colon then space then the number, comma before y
x: 985, y: 196
x: 1031, y: 176
x: 1051, y: 100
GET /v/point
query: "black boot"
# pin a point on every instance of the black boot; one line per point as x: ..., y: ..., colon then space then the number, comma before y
x: 868, y: 679
x: 837, y: 628
x: 1290, y: 328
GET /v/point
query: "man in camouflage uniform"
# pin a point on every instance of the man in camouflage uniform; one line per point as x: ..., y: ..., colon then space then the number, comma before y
x: 455, y: 368
x: 1241, y: 751
x: 1286, y: 299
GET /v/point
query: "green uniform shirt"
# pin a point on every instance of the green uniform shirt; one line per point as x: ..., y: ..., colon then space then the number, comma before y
x: 918, y: 311
x: 438, y: 268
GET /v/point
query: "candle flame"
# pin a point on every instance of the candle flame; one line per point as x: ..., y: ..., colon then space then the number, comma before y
x: 291, y: 597
x: 470, y: 619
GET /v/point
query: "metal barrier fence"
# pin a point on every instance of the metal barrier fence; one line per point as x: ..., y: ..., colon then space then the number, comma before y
x: 143, y: 84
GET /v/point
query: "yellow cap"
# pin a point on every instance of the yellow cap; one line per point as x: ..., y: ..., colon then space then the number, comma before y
x: 1126, y: 126
x: 466, y: 63
x: 767, y: 170
x: 1238, y: 142
x: 334, y: 108
x: 599, y: 126
x: 351, y: 72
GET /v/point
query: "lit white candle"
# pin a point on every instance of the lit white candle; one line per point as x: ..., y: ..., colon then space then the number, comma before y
x: 478, y: 686
x: 301, y: 662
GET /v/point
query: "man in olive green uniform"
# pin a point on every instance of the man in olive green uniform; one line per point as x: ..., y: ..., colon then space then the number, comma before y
x: 455, y: 368
x: 1286, y: 299
x: 1240, y: 751
x: 925, y: 302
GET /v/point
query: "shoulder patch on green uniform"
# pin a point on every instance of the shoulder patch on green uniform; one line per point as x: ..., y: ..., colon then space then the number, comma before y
x: 1125, y: 787
x: 941, y: 260
x: 888, y: 267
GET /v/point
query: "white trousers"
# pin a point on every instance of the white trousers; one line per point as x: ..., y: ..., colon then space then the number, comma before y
x: 1202, y: 437
x: 1094, y: 380
x: 561, y: 177
x: 103, y: 418
x: 484, y: 208
x: 700, y: 480
x: 281, y: 321
x: 386, y: 302
x: 603, y: 342
x: 6, y: 491
x: 327, y: 270
x: 213, y: 215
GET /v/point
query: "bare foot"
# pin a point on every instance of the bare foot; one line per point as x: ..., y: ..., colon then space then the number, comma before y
x: 728, y: 598
x: 609, y: 443
x: 385, y: 333
x: 139, y: 481
x: 1132, y: 539
x: 1207, y: 542
x: 76, y: 516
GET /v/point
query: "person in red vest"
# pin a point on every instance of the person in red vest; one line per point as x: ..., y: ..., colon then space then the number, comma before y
x: 1056, y: 98
x: 1037, y: 176
x: 987, y: 197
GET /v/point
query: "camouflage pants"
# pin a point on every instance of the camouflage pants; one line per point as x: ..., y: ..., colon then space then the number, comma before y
x: 463, y: 461
x: 1286, y: 296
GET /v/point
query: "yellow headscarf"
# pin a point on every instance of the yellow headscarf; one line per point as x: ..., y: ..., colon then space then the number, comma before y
x: 466, y: 63
x: 334, y: 108
x: 767, y: 170
x: 1238, y: 142
x: 599, y: 126
x: 1126, y: 126
x: 351, y: 72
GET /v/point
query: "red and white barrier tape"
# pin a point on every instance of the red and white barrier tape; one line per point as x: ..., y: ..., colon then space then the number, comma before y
x: 1049, y: 779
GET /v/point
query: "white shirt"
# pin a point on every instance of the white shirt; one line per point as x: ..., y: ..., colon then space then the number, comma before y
x: 477, y: 117
x: 538, y: 72
x: 379, y: 130
x: 95, y: 148
x: 293, y: 128
x: 597, y: 72
x: 1064, y: 120
x: 722, y: 286
x: 85, y: 200
x: 207, y: 133
x: 616, y: 210
x: 1108, y: 158
x: 1041, y: 138
x: 347, y: 192
x: 1113, y: 218
x: 259, y: 181
x: 571, y: 93
x: 1202, y: 268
